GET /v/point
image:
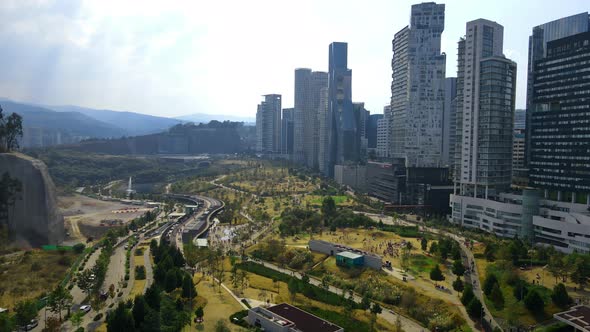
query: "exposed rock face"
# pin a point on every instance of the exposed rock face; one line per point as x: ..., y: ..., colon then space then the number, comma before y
x: 35, y: 218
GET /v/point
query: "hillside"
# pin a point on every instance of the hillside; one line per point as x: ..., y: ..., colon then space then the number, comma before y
x: 43, y: 127
x: 132, y: 123
x: 206, y: 118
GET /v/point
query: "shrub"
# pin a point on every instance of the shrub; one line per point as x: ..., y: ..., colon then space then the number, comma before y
x: 497, y: 297
x: 560, y: 296
x: 467, y: 295
x: 120, y: 294
x: 534, y: 302
x: 98, y: 317
x: 80, y: 329
x: 70, y: 286
x: 474, y: 308
x: 436, y: 274
x: 36, y: 266
x: 140, y: 272
x: 488, y: 283
x: 79, y: 248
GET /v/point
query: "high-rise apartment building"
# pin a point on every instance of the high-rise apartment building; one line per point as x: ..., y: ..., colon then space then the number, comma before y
x: 518, y: 142
x: 324, y: 132
x: 541, y: 35
x: 418, y: 87
x: 343, y: 125
x: 486, y: 85
x: 287, y: 131
x: 449, y: 121
x: 383, y: 148
x: 372, y: 130
x: 268, y: 125
x: 307, y: 102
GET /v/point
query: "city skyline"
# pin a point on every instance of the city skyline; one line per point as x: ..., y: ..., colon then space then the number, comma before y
x: 84, y: 54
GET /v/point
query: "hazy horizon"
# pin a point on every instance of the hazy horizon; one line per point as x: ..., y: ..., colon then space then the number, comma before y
x: 177, y: 58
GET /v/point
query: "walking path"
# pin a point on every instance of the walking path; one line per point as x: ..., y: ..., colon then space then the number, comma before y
x: 149, y: 273
x: 408, y: 325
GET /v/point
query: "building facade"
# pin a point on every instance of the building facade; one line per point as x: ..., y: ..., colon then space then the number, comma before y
x: 268, y: 125
x: 287, y: 123
x: 418, y: 87
x: 384, y: 134
x: 372, y: 130
x: 449, y: 121
x: 485, y: 112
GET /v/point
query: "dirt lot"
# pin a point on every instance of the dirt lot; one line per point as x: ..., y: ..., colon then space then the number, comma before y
x: 83, y: 215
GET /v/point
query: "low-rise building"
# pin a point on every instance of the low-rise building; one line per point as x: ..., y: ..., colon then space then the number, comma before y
x: 577, y: 317
x: 354, y: 176
x: 346, y: 254
x: 287, y: 318
x: 564, y: 225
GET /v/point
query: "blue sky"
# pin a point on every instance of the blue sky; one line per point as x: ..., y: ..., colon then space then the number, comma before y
x: 172, y: 58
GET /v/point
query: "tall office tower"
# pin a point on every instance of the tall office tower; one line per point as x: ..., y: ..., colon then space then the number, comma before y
x: 449, y: 124
x: 287, y: 131
x: 418, y: 86
x: 560, y: 127
x: 307, y: 100
x: 268, y: 125
x: 384, y: 127
x: 324, y: 132
x: 361, y: 116
x: 488, y: 82
x: 302, y: 107
x: 542, y: 34
x: 518, y: 141
x: 372, y: 130
x: 344, y: 147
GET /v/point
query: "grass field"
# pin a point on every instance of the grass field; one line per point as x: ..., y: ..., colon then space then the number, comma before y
x: 31, y: 274
x: 138, y: 285
x: 219, y: 305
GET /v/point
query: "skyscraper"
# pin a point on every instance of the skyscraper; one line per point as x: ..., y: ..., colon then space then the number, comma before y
x: 449, y: 124
x: 485, y: 112
x: 342, y: 124
x: 287, y: 131
x: 542, y: 34
x: 306, y: 126
x: 417, y: 88
x: 383, y: 148
x: 268, y: 125
x: 372, y: 130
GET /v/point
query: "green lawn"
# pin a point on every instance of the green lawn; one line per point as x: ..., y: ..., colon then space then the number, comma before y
x: 337, y: 199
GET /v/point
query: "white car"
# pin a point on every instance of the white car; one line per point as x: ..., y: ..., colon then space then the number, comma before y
x: 85, y: 308
x: 33, y: 324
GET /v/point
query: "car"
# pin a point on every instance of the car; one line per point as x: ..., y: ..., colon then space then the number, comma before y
x: 85, y: 308
x: 33, y: 324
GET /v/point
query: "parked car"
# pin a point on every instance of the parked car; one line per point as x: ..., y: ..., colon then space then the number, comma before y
x: 85, y: 308
x: 33, y: 324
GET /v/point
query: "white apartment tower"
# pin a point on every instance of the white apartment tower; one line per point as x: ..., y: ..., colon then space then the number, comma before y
x: 418, y: 87
x: 383, y: 149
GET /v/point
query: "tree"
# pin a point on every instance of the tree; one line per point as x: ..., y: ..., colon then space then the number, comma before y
x: 580, y: 271
x: 188, y: 287
x: 139, y: 311
x: 497, y: 297
x: 153, y: 297
x: 520, y: 290
x: 53, y: 325
x: 170, y: 282
x: 25, y: 312
x: 120, y: 320
x: 59, y: 300
x: 490, y: 252
x: 436, y: 274
x: 76, y: 319
x: 534, y: 302
x: 6, y: 322
x: 467, y: 295
x: 293, y: 287
x: 375, y: 310
x: 86, y: 281
x: 220, y: 326
x: 560, y: 296
x: 474, y: 308
x: 424, y: 243
x: 458, y: 268
x: 458, y: 284
x: 366, y: 302
x: 488, y: 283
x: 199, y: 312
x: 11, y: 129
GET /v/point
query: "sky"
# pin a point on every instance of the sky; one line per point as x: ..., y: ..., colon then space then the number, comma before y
x: 172, y: 58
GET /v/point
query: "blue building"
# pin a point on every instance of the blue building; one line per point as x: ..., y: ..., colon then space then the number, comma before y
x: 349, y: 259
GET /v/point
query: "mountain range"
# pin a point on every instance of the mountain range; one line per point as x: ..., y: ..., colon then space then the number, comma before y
x: 45, y: 125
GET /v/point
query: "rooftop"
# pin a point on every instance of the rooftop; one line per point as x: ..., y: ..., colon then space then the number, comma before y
x: 577, y: 317
x: 303, y: 321
x: 349, y: 254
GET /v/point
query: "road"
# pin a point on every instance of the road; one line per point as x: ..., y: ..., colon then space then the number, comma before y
x: 408, y: 325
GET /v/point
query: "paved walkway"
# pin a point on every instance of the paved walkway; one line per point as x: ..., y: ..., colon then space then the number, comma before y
x: 408, y: 325
x: 149, y: 273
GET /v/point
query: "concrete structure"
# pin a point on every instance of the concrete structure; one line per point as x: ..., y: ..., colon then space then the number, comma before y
x: 324, y: 132
x: 287, y: 123
x: 566, y: 226
x: 361, y: 116
x: 577, y: 317
x: 193, y: 229
x: 370, y: 260
x: 418, y: 87
x: 486, y: 86
x: 541, y: 35
x: 519, y: 172
x: 372, y: 130
x: 287, y: 318
x: 268, y: 125
x: 34, y: 219
x: 352, y: 175
x: 449, y: 122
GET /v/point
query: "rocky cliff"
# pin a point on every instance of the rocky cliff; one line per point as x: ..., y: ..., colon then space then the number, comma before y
x: 35, y: 218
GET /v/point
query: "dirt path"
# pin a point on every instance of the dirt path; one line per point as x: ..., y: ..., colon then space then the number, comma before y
x: 149, y: 274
